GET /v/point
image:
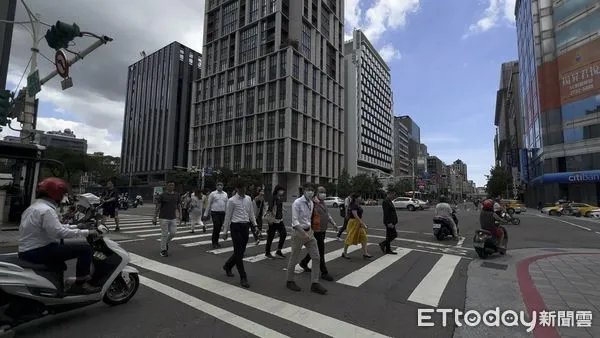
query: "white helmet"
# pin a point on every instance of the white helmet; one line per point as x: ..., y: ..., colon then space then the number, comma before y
x: 497, y: 206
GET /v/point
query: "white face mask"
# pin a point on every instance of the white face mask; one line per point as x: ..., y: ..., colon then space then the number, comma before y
x: 322, y: 196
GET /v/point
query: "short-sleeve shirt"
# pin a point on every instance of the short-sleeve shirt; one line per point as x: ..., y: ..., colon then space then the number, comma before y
x: 355, y: 206
x: 108, y: 194
x: 168, y: 204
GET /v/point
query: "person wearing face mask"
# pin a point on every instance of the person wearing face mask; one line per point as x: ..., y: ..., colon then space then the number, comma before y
x: 276, y: 209
x: 304, y: 235
x: 217, y: 201
x: 320, y: 219
x: 239, y: 216
x: 357, y: 233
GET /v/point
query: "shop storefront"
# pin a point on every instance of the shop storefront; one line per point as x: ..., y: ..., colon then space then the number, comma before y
x: 581, y: 186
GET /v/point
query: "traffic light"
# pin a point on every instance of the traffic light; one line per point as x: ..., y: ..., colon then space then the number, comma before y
x: 5, y: 103
x: 59, y: 35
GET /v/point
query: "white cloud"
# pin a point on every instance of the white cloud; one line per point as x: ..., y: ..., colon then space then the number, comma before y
x: 382, y: 16
x: 389, y: 53
x: 497, y: 11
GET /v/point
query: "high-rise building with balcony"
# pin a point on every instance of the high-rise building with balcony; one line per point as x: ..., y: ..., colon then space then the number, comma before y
x: 157, y: 112
x: 271, y: 92
x: 559, y: 61
x: 401, y: 160
x: 369, y: 106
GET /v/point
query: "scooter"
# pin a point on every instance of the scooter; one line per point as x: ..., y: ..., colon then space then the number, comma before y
x: 31, y: 291
x: 510, y: 218
x: 485, y: 243
x: 442, y: 228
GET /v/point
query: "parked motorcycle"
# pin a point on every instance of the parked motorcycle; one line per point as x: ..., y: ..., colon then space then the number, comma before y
x: 30, y: 291
x: 485, y: 243
x: 442, y: 228
x: 123, y: 203
x: 570, y: 211
x: 511, y: 218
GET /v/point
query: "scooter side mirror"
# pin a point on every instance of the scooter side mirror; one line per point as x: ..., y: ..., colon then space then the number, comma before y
x: 103, y: 229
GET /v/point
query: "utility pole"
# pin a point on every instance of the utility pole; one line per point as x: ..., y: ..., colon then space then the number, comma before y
x: 28, y: 118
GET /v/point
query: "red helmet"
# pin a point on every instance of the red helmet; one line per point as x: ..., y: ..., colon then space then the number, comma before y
x: 54, y: 187
x: 487, y: 204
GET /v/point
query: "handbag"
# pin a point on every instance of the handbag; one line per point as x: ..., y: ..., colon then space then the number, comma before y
x: 269, y: 216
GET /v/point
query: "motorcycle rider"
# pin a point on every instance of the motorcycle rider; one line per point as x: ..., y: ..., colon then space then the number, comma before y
x: 489, y: 219
x: 40, y: 233
x: 444, y: 210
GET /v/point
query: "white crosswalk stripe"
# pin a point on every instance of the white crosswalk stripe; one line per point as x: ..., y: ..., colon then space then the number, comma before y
x: 429, y: 288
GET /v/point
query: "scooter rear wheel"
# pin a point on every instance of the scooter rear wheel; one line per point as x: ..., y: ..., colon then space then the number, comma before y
x: 114, y: 297
x: 515, y: 221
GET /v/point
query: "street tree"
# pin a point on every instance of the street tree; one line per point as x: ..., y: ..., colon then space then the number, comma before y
x: 499, y: 182
x: 344, y: 187
x: 362, y: 184
x: 376, y: 186
x: 401, y: 186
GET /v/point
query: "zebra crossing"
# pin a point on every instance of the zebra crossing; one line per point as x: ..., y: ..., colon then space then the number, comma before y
x: 431, y: 286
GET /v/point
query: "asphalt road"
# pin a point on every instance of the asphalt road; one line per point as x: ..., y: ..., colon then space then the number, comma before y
x: 188, y: 295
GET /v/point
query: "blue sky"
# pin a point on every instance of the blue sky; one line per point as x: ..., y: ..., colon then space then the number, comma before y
x: 445, y: 58
x: 447, y: 81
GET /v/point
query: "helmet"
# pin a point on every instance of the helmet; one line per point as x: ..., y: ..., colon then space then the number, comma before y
x: 487, y: 204
x: 497, y: 206
x: 54, y: 187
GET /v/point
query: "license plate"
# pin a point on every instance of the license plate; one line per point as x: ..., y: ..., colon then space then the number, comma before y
x: 437, y: 226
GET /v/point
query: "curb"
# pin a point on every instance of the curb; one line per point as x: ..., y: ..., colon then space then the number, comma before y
x: 531, y: 296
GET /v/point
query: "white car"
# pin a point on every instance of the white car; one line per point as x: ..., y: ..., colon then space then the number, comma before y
x: 595, y: 213
x: 423, y: 204
x: 411, y: 204
x: 333, y: 201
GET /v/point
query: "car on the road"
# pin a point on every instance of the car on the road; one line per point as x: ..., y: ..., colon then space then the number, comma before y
x: 584, y: 209
x: 514, y: 206
x: 595, y: 213
x: 411, y: 204
x: 370, y: 202
x: 333, y: 201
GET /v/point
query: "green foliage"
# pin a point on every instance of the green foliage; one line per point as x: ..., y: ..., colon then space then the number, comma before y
x: 344, y: 185
x: 364, y: 185
x: 499, y: 182
x: 99, y: 168
x: 401, y: 186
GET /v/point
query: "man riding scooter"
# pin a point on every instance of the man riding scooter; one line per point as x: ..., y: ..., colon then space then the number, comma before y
x: 444, y: 210
x: 41, y: 233
x: 489, y: 219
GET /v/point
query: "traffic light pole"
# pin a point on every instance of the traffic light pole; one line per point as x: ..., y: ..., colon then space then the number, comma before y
x: 28, y: 117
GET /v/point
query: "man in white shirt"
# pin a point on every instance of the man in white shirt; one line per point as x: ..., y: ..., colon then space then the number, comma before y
x: 239, y: 215
x: 444, y: 210
x: 40, y: 233
x: 303, y: 235
x: 217, y: 200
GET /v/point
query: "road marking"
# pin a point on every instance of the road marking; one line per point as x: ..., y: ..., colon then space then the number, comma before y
x: 455, y: 251
x: 262, y: 257
x: 461, y: 240
x: 131, y: 240
x: 359, y: 277
x: 597, y: 232
x: 230, y: 248
x: 415, y: 241
x: 566, y: 222
x: 430, y: 289
x: 156, y: 228
x: 211, y: 310
x: 310, y: 319
x: 188, y: 245
x: 329, y: 257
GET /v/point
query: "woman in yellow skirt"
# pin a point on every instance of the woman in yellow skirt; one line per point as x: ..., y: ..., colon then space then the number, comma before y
x: 357, y: 229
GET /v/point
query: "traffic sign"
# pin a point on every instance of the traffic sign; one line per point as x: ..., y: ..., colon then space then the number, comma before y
x: 208, y: 171
x: 62, y: 64
x: 33, y: 84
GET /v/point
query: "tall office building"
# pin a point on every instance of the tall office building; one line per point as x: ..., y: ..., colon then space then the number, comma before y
x: 559, y: 58
x: 509, y: 123
x: 7, y: 13
x: 270, y: 95
x: 401, y: 161
x: 414, y: 140
x: 369, y: 106
x: 157, y: 112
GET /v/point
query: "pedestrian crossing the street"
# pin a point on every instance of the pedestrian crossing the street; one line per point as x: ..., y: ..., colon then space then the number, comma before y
x: 431, y: 283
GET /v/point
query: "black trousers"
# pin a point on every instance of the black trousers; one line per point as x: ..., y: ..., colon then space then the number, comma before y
x: 56, y: 254
x: 390, y: 235
x: 218, y: 217
x: 343, y: 228
x: 239, y: 237
x: 320, y: 237
x: 273, y: 228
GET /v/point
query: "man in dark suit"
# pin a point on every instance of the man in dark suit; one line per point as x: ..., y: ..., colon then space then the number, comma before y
x: 390, y: 219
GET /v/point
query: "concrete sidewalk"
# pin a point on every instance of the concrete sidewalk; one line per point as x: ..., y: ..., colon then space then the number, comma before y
x: 563, y: 282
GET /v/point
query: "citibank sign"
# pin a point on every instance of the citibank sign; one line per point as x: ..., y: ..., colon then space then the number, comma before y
x: 590, y: 176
